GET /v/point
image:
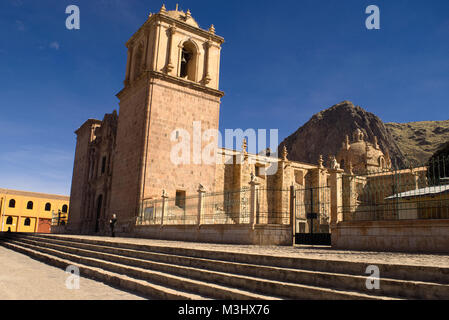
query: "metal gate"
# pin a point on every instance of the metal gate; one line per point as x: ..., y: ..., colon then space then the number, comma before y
x: 312, y: 212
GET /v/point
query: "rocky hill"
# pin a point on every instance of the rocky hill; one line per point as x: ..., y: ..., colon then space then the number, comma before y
x: 418, y: 141
x: 325, y: 132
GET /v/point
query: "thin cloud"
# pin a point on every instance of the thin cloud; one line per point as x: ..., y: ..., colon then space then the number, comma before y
x: 55, y: 45
x: 20, y: 25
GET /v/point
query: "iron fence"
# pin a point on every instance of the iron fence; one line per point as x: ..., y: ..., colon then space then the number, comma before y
x: 227, y: 207
x: 313, y: 209
x: 273, y: 206
x: 420, y: 192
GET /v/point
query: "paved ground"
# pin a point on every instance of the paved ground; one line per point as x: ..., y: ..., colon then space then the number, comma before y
x: 321, y: 253
x: 22, y: 278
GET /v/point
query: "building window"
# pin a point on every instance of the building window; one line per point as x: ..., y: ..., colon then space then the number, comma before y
x: 64, y: 208
x: 9, y: 220
x: 48, y: 206
x: 259, y: 171
x: 103, y: 165
x: 12, y: 203
x: 180, y: 200
x: 30, y: 205
x: 27, y: 222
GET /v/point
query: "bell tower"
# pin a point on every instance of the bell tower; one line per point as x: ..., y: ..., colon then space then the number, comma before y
x: 171, y: 85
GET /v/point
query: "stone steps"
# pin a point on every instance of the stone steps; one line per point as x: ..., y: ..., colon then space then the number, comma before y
x: 228, y: 275
x: 123, y: 282
x: 196, y: 290
x: 271, y: 289
x: 389, y: 271
x: 226, y: 272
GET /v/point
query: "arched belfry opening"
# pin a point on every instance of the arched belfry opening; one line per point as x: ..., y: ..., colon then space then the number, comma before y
x: 189, y: 57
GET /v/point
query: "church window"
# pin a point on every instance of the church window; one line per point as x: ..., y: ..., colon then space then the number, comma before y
x: 382, y: 162
x: 9, y: 220
x: 27, y: 222
x: 64, y: 208
x: 180, y: 200
x: 103, y: 165
x: 48, y: 206
x: 30, y: 205
x: 12, y: 203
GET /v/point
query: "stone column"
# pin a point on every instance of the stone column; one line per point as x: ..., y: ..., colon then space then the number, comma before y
x: 170, y: 46
x: 207, y: 77
x: 253, y: 201
x: 164, y: 205
x: 201, y: 191
x: 336, y: 185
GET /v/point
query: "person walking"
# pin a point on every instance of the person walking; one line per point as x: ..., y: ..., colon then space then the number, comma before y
x: 112, y: 223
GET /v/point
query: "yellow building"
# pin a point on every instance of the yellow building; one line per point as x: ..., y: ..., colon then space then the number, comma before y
x: 23, y: 211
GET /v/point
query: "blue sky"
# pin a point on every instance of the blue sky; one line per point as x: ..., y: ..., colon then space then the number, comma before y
x: 282, y: 62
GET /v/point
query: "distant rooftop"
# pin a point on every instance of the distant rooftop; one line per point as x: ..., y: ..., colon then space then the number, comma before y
x: 428, y: 191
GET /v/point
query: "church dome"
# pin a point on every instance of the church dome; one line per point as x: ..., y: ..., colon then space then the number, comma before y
x: 361, y: 156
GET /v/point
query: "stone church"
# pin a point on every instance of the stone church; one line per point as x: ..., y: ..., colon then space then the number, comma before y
x: 171, y: 81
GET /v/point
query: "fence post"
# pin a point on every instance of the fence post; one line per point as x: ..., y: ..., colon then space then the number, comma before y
x: 201, y: 191
x: 293, y: 212
x: 164, y: 202
x: 254, y: 186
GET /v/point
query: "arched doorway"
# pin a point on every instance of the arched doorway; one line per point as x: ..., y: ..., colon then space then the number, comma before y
x: 99, y: 207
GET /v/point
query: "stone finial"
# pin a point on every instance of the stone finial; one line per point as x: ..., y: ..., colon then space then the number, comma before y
x: 201, y: 188
x: 212, y: 29
x: 376, y: 143
x: 244, y: 146
x: 347, y: 142
x: 150, y: 15
x: 284, y: 153
x: 163, y: 9
x: 164, y: 194
x: 188, y: 14
x: 321, y: 161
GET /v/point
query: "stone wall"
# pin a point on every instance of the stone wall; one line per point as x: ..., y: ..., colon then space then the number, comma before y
x: 230, y: 234
x: 427, y: 236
